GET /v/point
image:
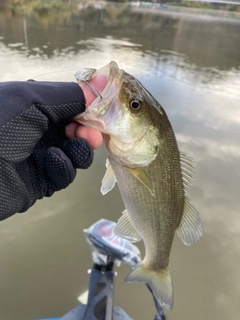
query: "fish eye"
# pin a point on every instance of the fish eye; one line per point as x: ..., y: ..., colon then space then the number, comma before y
x: 135, y: 105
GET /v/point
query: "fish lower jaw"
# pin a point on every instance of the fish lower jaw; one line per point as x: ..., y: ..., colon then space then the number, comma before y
x: 88, y: 121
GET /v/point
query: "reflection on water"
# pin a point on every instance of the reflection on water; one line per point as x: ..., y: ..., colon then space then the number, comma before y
x: 192, y: 66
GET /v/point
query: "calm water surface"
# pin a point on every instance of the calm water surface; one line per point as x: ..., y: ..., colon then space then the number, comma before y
x: 191, y: 64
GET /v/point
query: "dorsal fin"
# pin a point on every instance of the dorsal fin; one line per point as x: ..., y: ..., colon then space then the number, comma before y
x: 188, y: 169
x: 190, y: 228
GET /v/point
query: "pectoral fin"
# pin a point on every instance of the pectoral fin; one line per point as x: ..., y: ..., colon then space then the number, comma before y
x: 190, y: 228
x: 142, y: 176
x: 109, y: 180
x: 126, y: 229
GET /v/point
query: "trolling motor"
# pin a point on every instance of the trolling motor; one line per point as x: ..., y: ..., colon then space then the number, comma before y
x: 107, y: 250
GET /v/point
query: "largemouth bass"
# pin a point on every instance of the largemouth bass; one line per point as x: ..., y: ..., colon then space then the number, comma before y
x: 152, y: 175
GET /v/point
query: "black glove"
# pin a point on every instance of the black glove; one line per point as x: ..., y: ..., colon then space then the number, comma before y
x: 36, y: 158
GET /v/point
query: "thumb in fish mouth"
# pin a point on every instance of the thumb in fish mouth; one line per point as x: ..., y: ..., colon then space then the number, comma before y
x: 93, y: 136
x: 98, y: 83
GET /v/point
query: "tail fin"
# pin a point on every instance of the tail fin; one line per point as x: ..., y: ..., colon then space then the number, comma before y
x: 160, y: 283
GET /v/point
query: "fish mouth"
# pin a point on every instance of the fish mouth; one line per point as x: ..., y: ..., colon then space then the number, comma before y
x: 99, y: 114
x: 107, y: 114
x: 111, y: 71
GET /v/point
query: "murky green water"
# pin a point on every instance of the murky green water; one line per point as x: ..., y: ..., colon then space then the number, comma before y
x: 191, y: 64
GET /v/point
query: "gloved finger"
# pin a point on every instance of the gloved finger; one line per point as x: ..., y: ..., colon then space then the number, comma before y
x: 80, y: 152
x: 30, y: 109
x: 59, y: 169
x: 63, y: 109
x: 55, y: 135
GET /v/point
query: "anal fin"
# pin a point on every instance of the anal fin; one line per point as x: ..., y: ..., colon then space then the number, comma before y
x: 126, y: 229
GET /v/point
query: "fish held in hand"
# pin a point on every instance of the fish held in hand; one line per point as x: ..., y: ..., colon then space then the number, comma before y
x: 152, y: 175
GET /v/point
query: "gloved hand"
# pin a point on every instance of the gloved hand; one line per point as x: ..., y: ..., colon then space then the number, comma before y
x: 36, y: 158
